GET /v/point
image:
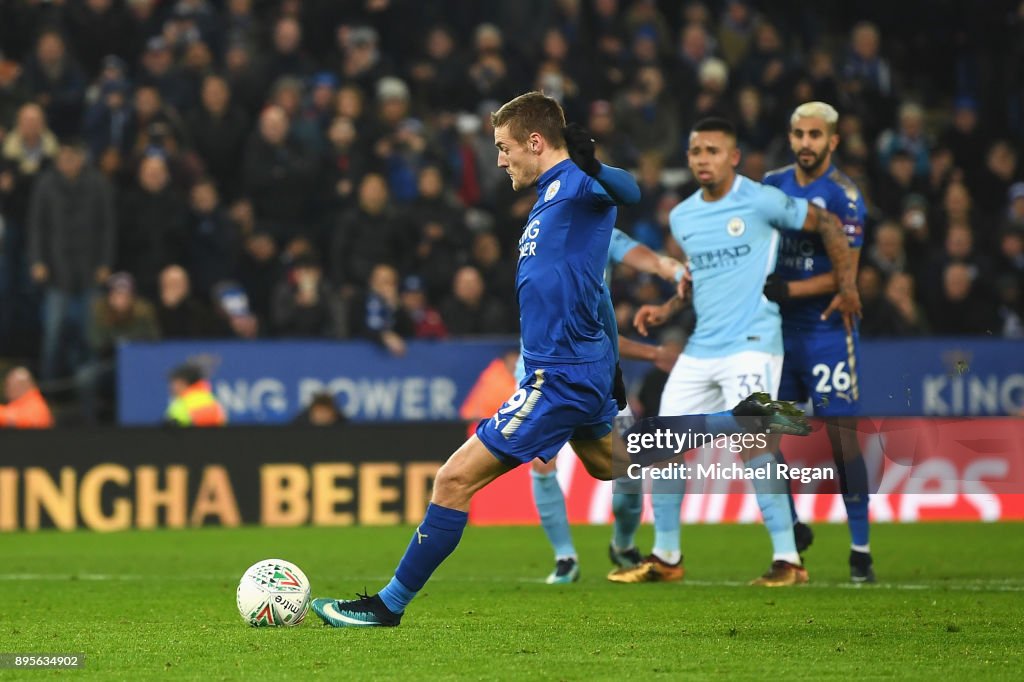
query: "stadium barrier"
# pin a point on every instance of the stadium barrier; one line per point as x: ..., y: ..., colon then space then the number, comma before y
x: 117, y: 479
x: 268, y: 382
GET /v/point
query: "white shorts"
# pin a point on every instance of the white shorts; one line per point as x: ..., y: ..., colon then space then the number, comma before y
x: 708, y: 385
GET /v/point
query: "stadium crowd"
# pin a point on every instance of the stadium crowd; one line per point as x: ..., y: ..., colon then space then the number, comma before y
x: 326, y: 168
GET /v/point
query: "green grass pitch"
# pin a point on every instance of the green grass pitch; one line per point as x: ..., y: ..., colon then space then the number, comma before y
x: 147, y: 605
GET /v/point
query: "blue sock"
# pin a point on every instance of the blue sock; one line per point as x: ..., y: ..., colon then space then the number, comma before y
x: 772, y: 494
x: 550, y: 503
x: 666, y: 499
x: 855, y: 498
x: 627, y: 506
x: 779, y: 459
x: 437, y: 536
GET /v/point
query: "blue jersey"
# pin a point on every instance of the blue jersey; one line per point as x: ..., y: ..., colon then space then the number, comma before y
x: 803, y: 255
x: 621, y: 244
x: 732, y: 245
x: 560, y: 277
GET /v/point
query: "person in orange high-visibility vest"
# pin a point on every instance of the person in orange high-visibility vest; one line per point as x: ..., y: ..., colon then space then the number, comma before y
x: 492, y: 388
x: 25, y: 408
x: 193, y: 403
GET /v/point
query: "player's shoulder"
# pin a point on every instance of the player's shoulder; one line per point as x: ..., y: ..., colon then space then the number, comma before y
x: 776, y: 177
x: 690, y: 203
x: 842, y: 183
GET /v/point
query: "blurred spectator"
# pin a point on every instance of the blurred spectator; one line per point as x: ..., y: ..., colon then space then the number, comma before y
x: 13, y: 93
x: 886, y: 252
x: 908, y: 137
x: 909, y: 319
x: 469, y: 310
x: 960, y: 309
x: 153, y: 228
x: 488, y: 72
x: 56, y: 83
x: 212, y: 245
x: 365, y: 235
x: 499, y: 273
x: 1000, y: 172
x: 966, y: 140
x: 897, y: 183
x: 25, y: 406
x: 287, y: 56
x: 736, y: 31
x: 305, y: 305
x: 879, y: 317
x: 71, y: 246
x: 1015, y: 210
x: 694, y: 49
x: 1010, y: 307
x: 179, y: 315
x: 491, y: 389
x: 767, y: 66
x: 358, y: 58
x: 99, y: 28
x: 613, y: 147
x: 244, y: 79
x: 426, y: 320
x: 343, y: 165
x: 647, y: 114
x: 277, y: 176
x: 755, y: 131
x: 159, y: 71
x: 436, y: 233
x: 321, y: 411
x: 106, y: 121
x: 379, y: 315
x: 437, y: 74
x: 218, y: 130
x: 192, y: 400
x: 231, y: 304
x: 288, y: 93
x: 867, y: 79
x: 117, y: 317
x: 27, y: 152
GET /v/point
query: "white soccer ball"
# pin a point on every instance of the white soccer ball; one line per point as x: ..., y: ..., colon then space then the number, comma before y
x: 273, y: 593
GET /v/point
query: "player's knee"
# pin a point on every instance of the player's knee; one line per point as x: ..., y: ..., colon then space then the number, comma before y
x: 451, y: 486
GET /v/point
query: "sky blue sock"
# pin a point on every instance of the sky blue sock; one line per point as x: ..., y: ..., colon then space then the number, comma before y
x: 627, y: 506
x: 856, y: 500
x: 437, y: 536
x: 779, y: 459
x: 550, y: 503
x: 772, y: 498
x: 666, y: 499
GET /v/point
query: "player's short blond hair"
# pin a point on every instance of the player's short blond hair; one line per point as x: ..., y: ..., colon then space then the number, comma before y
x: 823, y: 110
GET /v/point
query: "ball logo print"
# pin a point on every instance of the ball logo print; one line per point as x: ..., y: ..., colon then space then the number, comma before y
x: 272, y: 593
x: 735, y: 227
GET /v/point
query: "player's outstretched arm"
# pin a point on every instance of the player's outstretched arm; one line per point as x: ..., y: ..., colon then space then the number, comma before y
x: 655, y: 315
x: 619, y: 185
x: 663, y: 356
x: 828, y: 225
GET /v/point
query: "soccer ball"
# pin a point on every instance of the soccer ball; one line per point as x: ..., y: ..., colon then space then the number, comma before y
x: 273, y: 592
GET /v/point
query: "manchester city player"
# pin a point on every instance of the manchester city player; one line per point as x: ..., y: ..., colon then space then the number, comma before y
x: 821, y: 354
x: 567, y: 393
x: 730, y: 231
x: 627, y: 499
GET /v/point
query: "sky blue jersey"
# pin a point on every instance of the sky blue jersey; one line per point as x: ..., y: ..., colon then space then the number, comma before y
x: 803, y: 255
x: 563, y: 251
x: 732, y: 246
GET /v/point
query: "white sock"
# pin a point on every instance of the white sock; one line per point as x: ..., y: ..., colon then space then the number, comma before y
x: 669, y: 557
x: 788, y: 557
x: 866, y: 549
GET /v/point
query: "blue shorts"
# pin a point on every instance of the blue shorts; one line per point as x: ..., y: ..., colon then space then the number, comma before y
x: 822, y: 366
x: 553, y: 405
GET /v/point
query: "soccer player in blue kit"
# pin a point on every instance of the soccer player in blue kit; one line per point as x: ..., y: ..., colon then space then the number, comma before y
x: 567, y: 393
x: 730, y: 231
x: 821, y: 354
